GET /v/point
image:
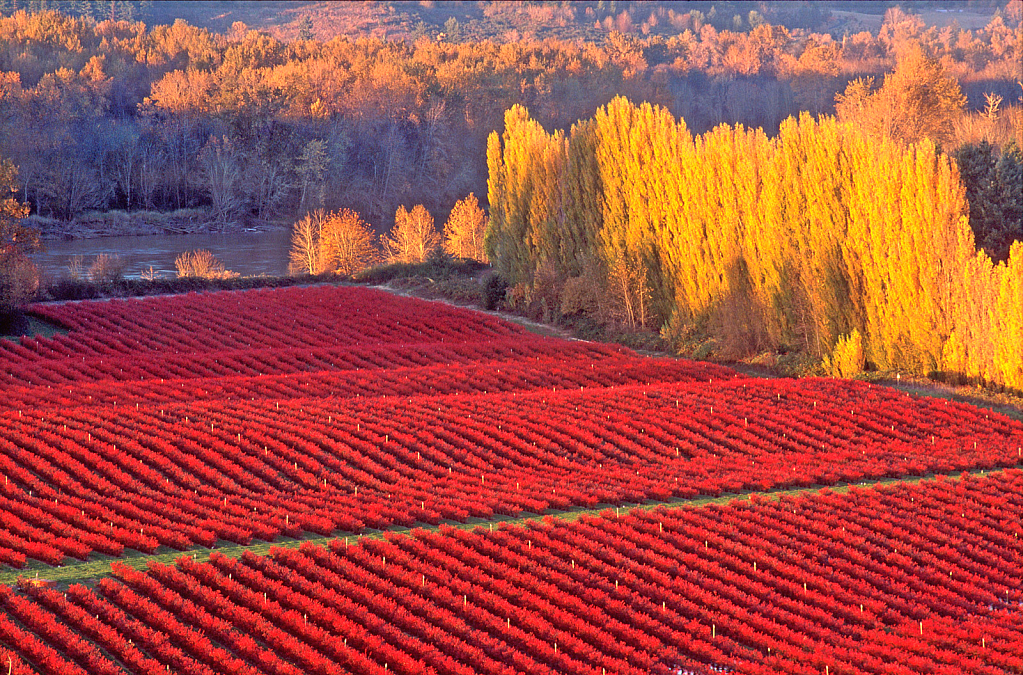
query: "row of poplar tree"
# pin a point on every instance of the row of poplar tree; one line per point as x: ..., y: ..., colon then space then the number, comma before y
x: 822, y: 239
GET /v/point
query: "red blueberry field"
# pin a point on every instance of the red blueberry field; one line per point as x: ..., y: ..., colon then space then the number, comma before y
x: 185, y: 422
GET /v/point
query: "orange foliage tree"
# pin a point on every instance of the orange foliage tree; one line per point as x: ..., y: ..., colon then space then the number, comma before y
x: 339, y: 242
x: 464, y: 231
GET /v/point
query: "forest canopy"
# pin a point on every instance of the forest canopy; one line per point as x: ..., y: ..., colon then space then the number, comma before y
x: 103, y: 114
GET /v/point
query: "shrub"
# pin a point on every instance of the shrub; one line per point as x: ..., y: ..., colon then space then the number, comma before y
x: 847, y: 358
x: 494, y: 290
x: 201, y: 263
x: 106, y: 268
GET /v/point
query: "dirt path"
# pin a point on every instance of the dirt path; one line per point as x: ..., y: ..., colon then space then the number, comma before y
x: 545, y: 329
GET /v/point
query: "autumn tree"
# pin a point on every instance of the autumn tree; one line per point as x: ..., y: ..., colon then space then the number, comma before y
x: 305, y: 244
x: 853, y: 249
x: 339, y: 242
x: 526, y: 222
x: 347, y: 243
x: 918, y: 100
x: 413, y: 239
x: 465, y: 229
x: 18, y: 275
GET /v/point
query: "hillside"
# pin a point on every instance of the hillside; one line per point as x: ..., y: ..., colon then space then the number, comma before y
x: 508, y: 21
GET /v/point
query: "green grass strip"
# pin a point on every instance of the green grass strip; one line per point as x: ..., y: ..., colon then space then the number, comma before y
x: 99, y: 565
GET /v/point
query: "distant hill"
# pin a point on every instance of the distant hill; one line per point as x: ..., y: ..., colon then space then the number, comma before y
x: 511, y: 21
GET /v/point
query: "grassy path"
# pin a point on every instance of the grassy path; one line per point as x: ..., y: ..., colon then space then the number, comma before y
x: 98, y: 566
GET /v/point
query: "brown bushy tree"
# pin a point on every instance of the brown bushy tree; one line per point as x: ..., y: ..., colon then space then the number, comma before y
x: 918, y: 100
x: 346, y: 243
x: 201, y: 263
x: 19, y: 278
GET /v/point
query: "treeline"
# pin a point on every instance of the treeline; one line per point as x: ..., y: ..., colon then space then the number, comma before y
x: 822, y: 239
x: 117, y: 115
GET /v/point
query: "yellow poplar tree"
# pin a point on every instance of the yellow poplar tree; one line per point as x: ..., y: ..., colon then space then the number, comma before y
x: 852, y: 247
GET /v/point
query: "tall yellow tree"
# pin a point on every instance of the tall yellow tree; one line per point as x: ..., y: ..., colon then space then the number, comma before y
x: 1008, y: 361
x: 852, y: 247
x: 525, y: 193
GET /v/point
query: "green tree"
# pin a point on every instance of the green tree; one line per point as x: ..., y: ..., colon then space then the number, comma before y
x: 452, y: 29
x: 305, y: 28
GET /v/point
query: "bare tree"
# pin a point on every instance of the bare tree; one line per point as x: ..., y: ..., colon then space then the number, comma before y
x: 630, y: 292
x: 69, y: 182
x: 305, y: 244
x: 312, y: 167
x: 127, y: 157
x: 413, y: 238
x: 222, y: 169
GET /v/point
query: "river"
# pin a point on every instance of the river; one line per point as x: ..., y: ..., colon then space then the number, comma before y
x: 247, y: 253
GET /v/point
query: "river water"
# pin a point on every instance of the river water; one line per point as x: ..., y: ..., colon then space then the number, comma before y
x: 247, y: 253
